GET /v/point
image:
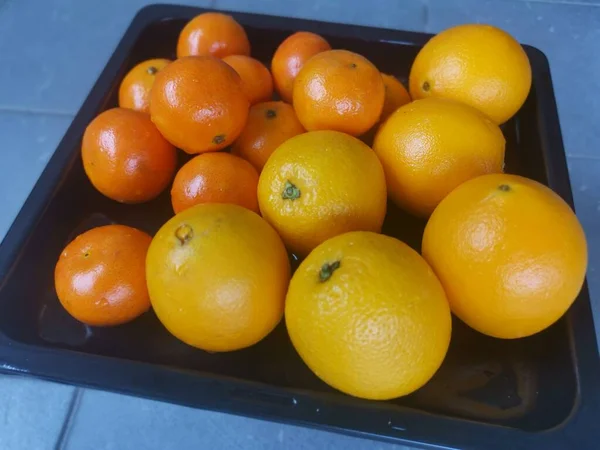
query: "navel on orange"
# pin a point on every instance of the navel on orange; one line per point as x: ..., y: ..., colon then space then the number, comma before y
x: 509, y: 252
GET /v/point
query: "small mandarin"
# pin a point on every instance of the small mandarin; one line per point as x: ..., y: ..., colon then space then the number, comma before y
x: 215, y: 178
x: 134, y: 91
x: 100, y: 277
x: 213, y: 34
x: 339, y: 90
x: 269, y: 125
x: 396, y: 96
x: 125, y: 157
x: 290, y: 57
x: 256, y: 78
x: 198, y: 104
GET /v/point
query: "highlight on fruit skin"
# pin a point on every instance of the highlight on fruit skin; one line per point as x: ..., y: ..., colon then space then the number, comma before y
x: 510, y: 253
x: 368, y: 316
x: 477, y: 64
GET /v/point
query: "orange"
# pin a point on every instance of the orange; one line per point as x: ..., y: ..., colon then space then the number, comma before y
x: 368, y: 316
x: 217, y: 277
x: 509, y: 252
x: 198, y: 104
x: 100, y: 276
x: 256, y: 78
x: 339, y: 90
x: 430, y: 146
x: 290, y: 57
x: 215, y: 178
x: 213, y: 34
x: 320, y: 184
x: 480, y: 65
x: 396, y: 96
x: 125, y: 157
x: 269, y: 125
x: 134, y: 91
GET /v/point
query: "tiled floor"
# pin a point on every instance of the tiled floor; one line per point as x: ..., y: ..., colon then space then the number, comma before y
x: 50, y: 55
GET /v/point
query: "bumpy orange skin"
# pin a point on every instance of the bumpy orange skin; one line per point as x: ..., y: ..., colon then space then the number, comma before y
x: 509, y: 252
x: 213, y: 34
x: 379, y: 327
x: 396, y: 96
x: 198, y: 104
x: 217, y: 277
x: 290, y: 57
x: 339, y: 90
x: 125, y: 157
x: 320, y: 184
x: 100, y: 277
x: 215, y: 178
x: 256, y: 78
x: 480, y: 65
x: 134, y: 91
x: 269, y: 125
x: 430, y: 146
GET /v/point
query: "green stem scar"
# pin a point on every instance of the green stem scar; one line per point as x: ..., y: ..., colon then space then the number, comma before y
x: 152, y: 70
x: 426, y: 86
x: 290, y: 191
x: 270, y: 113
x: 504, y: 187
x: 327, y: 270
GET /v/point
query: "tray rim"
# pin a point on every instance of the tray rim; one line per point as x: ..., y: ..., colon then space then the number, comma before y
x: 298, y: 407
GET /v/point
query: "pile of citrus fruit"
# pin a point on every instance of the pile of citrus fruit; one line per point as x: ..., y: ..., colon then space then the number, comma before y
x: 285, y: 173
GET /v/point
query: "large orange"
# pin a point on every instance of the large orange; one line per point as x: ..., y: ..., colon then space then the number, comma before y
x: 215, y: 178
x: 290, y: 57
x: 213, y: 34
x: 198, y: 104
x: 339, y: 90
x: 217, y: 277
x: 430, y: 146
x: 320, y: 184
x: 256, y: 78
x: 480, y: 65
x: 100, y: 277
x: 509, y: 252
x: 125, y: 157
x: 269, y: 125
x: 134, y: 91
x: 368, y: 316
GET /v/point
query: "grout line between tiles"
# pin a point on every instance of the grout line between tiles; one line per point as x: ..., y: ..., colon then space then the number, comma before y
x: 63, y: 436
x: 561, y: 2
x: 36, y: 112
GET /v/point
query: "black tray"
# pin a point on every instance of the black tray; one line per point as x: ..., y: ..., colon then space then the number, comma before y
x: 539, y: 392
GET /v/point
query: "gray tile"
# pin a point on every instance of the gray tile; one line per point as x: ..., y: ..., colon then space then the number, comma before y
x: 109, y: 421
x: 586, y: 193
x: 52, y: 52
x: 28, y: 142
x: 31, y: 412
x: 567, y: 34
x: 407, y: 14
